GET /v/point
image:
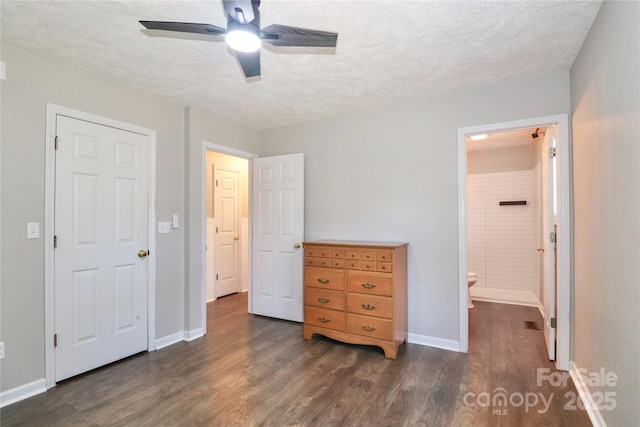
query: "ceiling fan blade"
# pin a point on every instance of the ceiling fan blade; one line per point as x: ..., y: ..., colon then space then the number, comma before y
x: 293, y: 36
x: 183, y: 27
x: 250, y: 63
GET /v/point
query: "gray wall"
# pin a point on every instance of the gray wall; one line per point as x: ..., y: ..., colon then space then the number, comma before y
x: 392, y: 175
x: 202, y: 126
x: 31, y: 83
x: 605, y: 98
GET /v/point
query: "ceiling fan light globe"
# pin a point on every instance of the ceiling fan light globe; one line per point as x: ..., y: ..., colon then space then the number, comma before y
x: 243, y: 41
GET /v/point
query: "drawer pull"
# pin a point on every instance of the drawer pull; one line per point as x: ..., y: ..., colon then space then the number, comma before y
x: 325, y: 281
x: 368, y: 285
x: 384, y: 257
x: 323, y: 300
x: 325, y: 320
x: 368, y: 328
x: 368, y: 306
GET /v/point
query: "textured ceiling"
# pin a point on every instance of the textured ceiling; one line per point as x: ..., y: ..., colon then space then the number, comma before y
x: 387, y: 51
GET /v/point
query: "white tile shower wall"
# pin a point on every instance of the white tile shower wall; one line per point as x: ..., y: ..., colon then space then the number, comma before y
x: 502, y: 239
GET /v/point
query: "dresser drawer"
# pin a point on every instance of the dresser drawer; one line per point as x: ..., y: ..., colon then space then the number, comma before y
x: 368, y: 265
x: 337, y: 253
x: 370, y: 305
x: 370, y: 283
x: 310, y: 252
x: 384, y: 267
x: 353, y: 264
x: 324, y: 298
x: 325, y: 318
x: 323, y: 252
x: 368, y: 255
x: 323, y: 262
x: 384, y: 255
x: 353, y: 254
x: 310, y: 261
x: 337, y: 263
x: 370, y: 326
x: 324, y: 278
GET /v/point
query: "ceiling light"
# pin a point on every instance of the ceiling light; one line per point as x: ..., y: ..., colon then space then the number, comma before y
x: 479, y: 137
x: 243, y: 37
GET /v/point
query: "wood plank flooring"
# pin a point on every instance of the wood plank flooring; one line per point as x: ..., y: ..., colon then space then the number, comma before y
x: 255, y: 371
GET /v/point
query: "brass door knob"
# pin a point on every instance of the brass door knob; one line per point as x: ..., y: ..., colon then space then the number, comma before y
x: 236, y: 238
x: 142, y: 253
x: 297, y: 245
x: 540, y: 248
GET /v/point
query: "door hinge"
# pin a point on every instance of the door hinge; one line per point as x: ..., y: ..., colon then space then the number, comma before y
x: 216, y: 229
x: 55, y: 143
x: 55, y: 242
x: 216, y: 276
x: 55, y: 340
x: 552, y: 152
x: 553, y: 322
x: 552, y: 237
x: 216, y: 182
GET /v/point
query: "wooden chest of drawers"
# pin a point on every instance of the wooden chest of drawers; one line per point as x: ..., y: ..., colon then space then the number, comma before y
x: 356, y: 292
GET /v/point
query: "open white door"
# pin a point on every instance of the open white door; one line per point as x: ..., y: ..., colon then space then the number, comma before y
x: 548, y: 239
x: 278, y: 231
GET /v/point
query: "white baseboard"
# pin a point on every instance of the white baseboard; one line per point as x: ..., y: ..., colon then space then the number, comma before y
x: 179, y: 336
x: 194, y: 334
x: 434, y: 342
x: 541, y: 309
x: 587, y: 399
x: 169, y: 340
x: 22, y: 392
x: 505, y: 296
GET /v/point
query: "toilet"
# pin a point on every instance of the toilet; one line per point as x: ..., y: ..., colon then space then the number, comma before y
x: 472, y: 278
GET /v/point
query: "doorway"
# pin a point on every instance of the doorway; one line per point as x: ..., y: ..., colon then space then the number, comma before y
x: 562, y: 305
x: 227, y: 224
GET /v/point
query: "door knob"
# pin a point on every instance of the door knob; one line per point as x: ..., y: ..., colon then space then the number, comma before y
x: 142, y: 253
x: 236, y: 238
x: 297, y: 245
x: 540, y: 248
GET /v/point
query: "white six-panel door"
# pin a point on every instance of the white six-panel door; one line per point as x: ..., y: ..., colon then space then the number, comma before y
x: 278, y: 230
x: 227, y: 231
x: 101, y: 215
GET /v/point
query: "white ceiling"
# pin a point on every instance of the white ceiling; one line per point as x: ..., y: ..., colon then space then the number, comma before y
x: 387, y: 52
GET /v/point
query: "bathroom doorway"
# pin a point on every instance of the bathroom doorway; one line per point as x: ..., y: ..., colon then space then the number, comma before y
x: 503, y: 237
x: 227, y: 224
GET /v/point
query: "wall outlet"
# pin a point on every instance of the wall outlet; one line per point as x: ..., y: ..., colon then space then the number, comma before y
x: 1, y: 350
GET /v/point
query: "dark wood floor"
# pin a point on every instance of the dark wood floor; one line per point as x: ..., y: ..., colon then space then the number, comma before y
x: 250, y: 370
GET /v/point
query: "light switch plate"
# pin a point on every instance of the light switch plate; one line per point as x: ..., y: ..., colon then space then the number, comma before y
x: 33, y: 230
x: 164, y: 227
x: 175, y: 221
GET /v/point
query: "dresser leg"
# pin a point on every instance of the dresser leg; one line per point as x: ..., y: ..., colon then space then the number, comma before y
x: 307, y: 334
x: 390, y: 351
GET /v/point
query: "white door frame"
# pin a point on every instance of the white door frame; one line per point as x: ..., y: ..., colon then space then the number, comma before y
x: 53, y: 111
x: 563, y: 219
x: 210, y: 146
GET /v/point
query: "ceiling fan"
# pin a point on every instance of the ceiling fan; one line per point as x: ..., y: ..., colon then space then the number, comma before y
x: 243, y: 33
